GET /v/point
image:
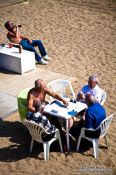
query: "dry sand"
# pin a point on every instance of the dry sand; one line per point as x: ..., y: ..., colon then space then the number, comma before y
x: 80, y: 37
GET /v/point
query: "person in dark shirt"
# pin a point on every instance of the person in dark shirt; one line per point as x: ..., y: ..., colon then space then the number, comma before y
x: 93, y: 117
x: 95, y: 113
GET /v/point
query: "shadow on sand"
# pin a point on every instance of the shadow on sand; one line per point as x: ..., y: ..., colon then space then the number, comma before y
x: 4, y: 71
x: 18, y: 141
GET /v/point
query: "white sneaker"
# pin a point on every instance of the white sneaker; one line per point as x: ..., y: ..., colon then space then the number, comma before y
x: 46, y: 58
x: 43, y: 62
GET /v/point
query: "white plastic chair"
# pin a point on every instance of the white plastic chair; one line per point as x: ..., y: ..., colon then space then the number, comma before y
x: 36, y: 132
x: 103, y: 127
x: 103, y: 97
x: 59, y: 86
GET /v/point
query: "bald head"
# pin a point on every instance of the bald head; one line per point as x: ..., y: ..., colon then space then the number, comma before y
x: 89, y: 99
x: 39, y: 84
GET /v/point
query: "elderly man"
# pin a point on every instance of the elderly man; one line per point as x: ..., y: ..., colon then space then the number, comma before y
x: 38, y: 93
x: 42, y: 120
x: 95, y: 113
x: 15, y: 37
x: 92, y: 88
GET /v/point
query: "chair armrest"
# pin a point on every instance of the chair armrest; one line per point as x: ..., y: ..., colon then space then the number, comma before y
x: 92, y: 133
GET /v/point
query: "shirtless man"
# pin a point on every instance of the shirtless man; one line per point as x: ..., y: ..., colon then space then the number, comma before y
x: 15, y: 37
x: 38, y: 93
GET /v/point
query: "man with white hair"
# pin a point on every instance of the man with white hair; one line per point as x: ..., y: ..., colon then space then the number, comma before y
x: 92, y: 88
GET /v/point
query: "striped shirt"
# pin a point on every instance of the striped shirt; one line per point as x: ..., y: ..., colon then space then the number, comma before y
x: 41, y: 120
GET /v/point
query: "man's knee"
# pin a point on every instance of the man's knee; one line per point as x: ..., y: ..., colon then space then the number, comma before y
x: 39, y: 42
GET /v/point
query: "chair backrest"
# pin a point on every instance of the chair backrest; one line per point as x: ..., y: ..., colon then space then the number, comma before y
x: 22, y: 103
x: 105, y: 125
x: 35, y: 130
x: 101, y: 130
x: 103, y: 97
x: 60, y: 86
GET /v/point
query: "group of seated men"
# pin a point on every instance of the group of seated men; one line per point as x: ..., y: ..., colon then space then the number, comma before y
x: 90, y: 94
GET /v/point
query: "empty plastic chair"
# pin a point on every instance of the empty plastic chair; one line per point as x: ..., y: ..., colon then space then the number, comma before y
x: 60, y: 86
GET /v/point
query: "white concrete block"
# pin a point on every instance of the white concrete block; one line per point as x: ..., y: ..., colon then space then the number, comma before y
x: 12, y: 60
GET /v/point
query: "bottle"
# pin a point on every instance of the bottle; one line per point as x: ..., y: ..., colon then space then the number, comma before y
x: 19, y: 26
x: 10, y: 45
x: 20, y: 49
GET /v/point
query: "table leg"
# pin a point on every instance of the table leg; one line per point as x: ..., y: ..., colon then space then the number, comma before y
x: 67, y: 135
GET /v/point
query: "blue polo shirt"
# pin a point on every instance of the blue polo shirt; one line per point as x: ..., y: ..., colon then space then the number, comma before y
x: 95, y: 114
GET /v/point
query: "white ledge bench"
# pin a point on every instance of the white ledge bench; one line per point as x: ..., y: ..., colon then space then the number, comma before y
x: 11, y: 59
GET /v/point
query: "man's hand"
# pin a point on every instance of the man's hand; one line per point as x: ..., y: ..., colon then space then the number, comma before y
x: 80, y: 95
x: 30, y: 41
x: 65, y: 103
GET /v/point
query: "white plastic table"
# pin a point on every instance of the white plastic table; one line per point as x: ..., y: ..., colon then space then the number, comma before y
x: 12, y: 60
x: 58, y: 109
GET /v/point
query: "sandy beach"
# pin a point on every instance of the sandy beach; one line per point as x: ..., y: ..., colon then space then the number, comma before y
x: 80, y: 38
